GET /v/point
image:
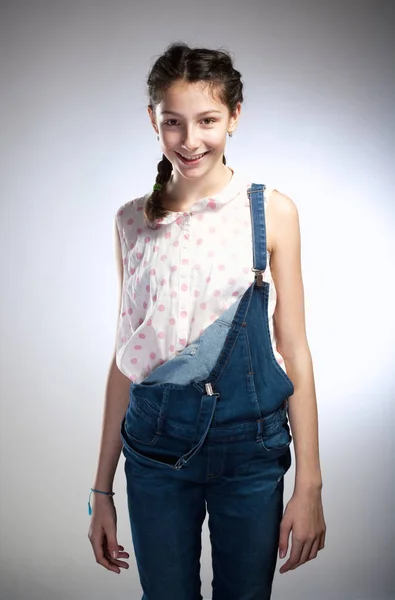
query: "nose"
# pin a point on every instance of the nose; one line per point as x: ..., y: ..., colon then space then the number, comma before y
x: 190, y: 139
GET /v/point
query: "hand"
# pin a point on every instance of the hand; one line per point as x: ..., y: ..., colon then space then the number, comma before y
x: 303, y: 515
x: 102, y: 535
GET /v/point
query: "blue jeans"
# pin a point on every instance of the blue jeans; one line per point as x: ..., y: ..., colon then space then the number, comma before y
x: 209, y: 429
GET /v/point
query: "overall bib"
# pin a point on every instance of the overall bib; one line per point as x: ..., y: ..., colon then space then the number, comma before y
x: 209, y: 428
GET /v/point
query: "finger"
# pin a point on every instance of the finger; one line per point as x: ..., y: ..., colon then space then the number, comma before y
x: 100, y: 558
x: 314, y: 549
x: 294, y: 557
x: 304, y: 557
x: 116, y: 561
x: 322, y: 541
x: 285, y: 531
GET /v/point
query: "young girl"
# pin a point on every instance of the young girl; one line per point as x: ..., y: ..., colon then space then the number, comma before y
x: 211, y: 359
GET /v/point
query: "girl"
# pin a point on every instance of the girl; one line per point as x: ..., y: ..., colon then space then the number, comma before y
x: 211, y: 359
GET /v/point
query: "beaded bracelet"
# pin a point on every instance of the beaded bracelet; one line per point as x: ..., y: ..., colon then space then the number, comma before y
x: 97, y: 492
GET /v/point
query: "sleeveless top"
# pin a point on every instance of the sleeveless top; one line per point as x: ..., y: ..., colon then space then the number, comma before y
x: 179, y: 277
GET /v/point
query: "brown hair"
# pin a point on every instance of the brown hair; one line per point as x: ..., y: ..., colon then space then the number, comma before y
x: 181, y: 63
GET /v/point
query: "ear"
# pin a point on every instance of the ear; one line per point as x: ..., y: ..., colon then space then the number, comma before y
x: 153, y: 119
x: 234, y: 118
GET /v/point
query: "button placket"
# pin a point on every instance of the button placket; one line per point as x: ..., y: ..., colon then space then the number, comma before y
x: 184, y: 293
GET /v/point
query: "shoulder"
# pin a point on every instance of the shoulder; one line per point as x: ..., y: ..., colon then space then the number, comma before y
x: 283, y: 215
x: 130, y: 209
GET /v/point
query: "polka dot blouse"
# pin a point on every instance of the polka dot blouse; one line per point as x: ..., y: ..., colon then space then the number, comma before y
x: 180, y: 276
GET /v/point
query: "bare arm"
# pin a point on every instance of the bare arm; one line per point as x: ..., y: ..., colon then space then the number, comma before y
x: 304, y: 512
x: 115, y: 406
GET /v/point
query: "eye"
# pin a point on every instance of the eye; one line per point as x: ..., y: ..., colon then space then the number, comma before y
x: 170, y: 122
x: 209, y: 119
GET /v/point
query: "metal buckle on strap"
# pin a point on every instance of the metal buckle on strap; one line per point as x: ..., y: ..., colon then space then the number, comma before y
x: 258, y: 276
x: 209, y: 390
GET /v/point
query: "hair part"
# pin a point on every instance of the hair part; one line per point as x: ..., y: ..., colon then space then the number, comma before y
x: 181, y: 63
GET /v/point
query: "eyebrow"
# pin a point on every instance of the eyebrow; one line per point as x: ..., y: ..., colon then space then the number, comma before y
x: 170, y: 112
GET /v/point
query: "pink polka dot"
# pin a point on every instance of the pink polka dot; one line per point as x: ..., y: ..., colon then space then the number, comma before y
x: 152, y: 272
x: 161, y: 307
x: 130, y: 221
x: 246, y: 270
x: 173, y: 294
x: 203, y: 305
x: 236, y: 293
x: 183, y: 341
x: 160, y: 220
x: 130, y: 311
x: 152, y: 355
x: 132, y: 271
x: 199, y: 242
x: 184, y: 314
x: 200, y: 217
x: 149, y: 322
x: 145, y: 305
x: 212, y: 317
x: 186, y: 236
x: 142, y: 336
x: 167, y: 234
x: 172, y: 321
x: 231, y: 281
x: 132, y: 245
x: 161, y: 335
x: 208, y: 279
x: 198, y: 267
x: 125, y: 260
x: 138, y: 347
x: 163, y: 282
x: 139, y: 208
x: 147, y: 239
x: 172, y: 347
x: 223, y: 242
x: 176, y: 243
x: 120, y: 213
x: 212, y: 229
x: 221, y: 267
x: 147, y: 288
x: 212, y: 204
x: 148, y: 367
x: 138, y: 280
x: 145, y: 263
x: 163, y: 257
x: 124, y: 313
x: 217, y: 292
x: 156, y: 248
x: 141, y: 321
x: 174, y: 268
x: 197, y: 293
x: 154, y: 298
x: 185, y: 261
x: 211, y: 253
x: 139, y: 230
x: 161, y: 362
x: 134, y: 361
x: 139, y: 255
x: 193, y: 320
x: 184, y: 287
x: 179, y: 220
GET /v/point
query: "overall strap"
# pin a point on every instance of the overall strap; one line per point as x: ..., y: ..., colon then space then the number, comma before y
x: 258, y: 227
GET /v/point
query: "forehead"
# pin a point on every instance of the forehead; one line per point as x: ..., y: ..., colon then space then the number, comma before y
x: 188, y: 98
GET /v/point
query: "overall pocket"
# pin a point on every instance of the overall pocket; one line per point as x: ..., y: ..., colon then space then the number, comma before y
x: 141, y: 419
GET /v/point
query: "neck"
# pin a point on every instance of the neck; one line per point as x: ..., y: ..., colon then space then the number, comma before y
x: 181, y: 193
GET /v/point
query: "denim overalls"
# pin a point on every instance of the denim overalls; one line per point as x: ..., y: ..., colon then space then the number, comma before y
x: 209, y: 428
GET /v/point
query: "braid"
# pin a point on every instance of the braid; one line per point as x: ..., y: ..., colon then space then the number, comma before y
x: 153, y: 208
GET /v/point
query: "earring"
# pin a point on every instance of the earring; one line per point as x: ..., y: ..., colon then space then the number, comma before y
x: 230, y: 133
x: 158, y: 138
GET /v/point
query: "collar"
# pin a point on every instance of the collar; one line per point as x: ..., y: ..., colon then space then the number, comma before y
x: 208, y: 203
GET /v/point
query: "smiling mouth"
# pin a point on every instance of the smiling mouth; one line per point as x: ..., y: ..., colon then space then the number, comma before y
x: 191, y: 158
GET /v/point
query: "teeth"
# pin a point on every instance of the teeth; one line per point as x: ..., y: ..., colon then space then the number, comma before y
x: 192, y: 157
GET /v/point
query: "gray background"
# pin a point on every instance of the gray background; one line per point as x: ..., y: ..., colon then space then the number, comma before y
x: 76, y: 143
